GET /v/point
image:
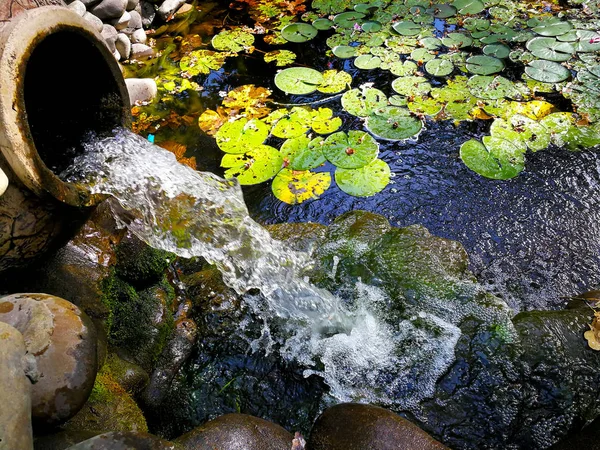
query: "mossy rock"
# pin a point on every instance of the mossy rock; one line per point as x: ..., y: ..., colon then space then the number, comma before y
x: 109, y: 408
x: 129, y: 375
x: 299, y: 236
x: 140, y: 264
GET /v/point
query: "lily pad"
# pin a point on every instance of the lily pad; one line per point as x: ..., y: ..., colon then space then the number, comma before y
x: 294, y: 187
x: 371, y: 26
x: 362, y: 102
x: 470, y: 7
x: 484, y: 65
x: 535, y: 135
x: 550, y: 49
x: 299, y: 32
x: 367, y: 62
x: 547, y: 71
x: 491, y: 87
x: 350, y: 151
x: 253, y: 167
x: 303, y: 153
x: 407, y: 28
x: 457, y: 40
x: 500, y: 161
x: 323, y: 121
x: 298, y: 80
x: 496, y: 50
x: 422, y: 55
x: 431, y: 43
x: 240, y: 135
x: 232, y: 40
x: 589, y: 41
x: 202, y: 61
x: 393, y: 123
x: 439, y: 67
x: 442, y: 11
x: 411, y: 85
x: 553, y: 29
x: 365, y: 181
x: 294, y: 124
x: 322, y: 24
x: 344, y: 51
x: 334, y: 81
x: 280, y: 57
x: 348, y: 19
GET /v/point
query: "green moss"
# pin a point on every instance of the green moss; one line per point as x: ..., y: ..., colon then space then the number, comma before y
x: 140, y: 264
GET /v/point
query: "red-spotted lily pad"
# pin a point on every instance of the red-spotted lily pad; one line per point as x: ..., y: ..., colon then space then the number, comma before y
x: 393, y: 123
x: 350, y: 151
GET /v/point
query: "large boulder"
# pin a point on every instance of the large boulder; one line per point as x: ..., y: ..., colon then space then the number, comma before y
x: 237, y: 432
x: 351, y: 426
x: 63, y: 340
x: 124, y: 441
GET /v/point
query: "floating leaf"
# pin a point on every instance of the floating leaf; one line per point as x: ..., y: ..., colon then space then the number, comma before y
x: 210, y: 121
x: 347, y: 19
x: 299, y: 32
x: 439, y: 67
x: 457, y: 40
x: 367, y: 62
x: 253, y: 167
x: 422, y: 55
x: 350, y: 151
x: 232, y: 41
x: 240, y: 135
x: 490, y: 87
x: 202, y: 61
x: 550, y: 49
x: 407, y: 28
x: 470, y: 7
x: 323, y: 121
x: 496, y: 50
x: 535, y: 136
x: 411, y: 86
x: 558, y: 124
x: 393, y: 123
x: 484, y: 65
x: 295, y: 123
x: 298, y: 80
x: 402, y: 69
x: 501, y: 129
x: 589, y: 41
x: 365, y: 181
x: 553, y: 29
x: 425, y: 105
x: 431, y: 43
x: 294, y: 187
x: 547, y: 71
x: 247, y: 100
x: 280, y: 57
x: 322, y: 24
x: 334, y: 81
x: 362, y: 102
x: 500, y: 161
x: 371, y: 26
x: 442, y: 11
x: 302, y: 153
x: 344, y: 51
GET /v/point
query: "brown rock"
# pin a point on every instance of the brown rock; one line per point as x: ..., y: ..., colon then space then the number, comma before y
x: 15, y: 391
x: 129, y: 375
x: 62, y: 439
x: 237, y: 432
x: 124, y: 441
x: 351, y: 426
x: 63, y: 340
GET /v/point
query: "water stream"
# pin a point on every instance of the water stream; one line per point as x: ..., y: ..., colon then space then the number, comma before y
x: 348, y: 342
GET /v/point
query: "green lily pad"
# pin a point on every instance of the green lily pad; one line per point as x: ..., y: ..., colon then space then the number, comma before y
x: 298, y: 80
x: 202, y: 61
x: 431, y: 43
x: 367, y: 62
x: 533, y: 134
x: 393, y: 123
x: 280, y: 57
x: 501, y: 129
x: 322, y: 24
x: 411, y: 86
x: 334, y: 81
x: 439, y: 67
x: 491, y: 87
x: 371, y: 26
x: 587, y: 41
x: 442, y: 11
x: 362, y: 102
x: 402, y: 69
x: 558, y: 124
x: 484, y: 65
x: 500, y: 160
x: 299, y: 32
x: 474, y: 24
x: 365, y: 181
x: 344, y: 51
x: 253, y: 167
x: 422, y: 55
x: 547, y: 71
x: 295, y: 123
x: 457, y: 40
x: 496, y: 50
x: 550, y: 49
x: 294, y: 187
x: 425, y: 105
x: 348, y: 19
x: 553, y: 29
x: 303, y: 153
x: 240, y: 135
x: 232, y: 40
x: 407, y: 28
x: 470, y: 7
x: 350, y: 151
x: 323, y: 121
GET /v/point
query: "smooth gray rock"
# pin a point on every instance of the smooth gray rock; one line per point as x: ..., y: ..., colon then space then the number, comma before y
x: 90, y: 3
x: 139, y: 37
x: 109, y: 33
x: 116, y: 54
x: 135, y: 20
x: 169, y: 7
x: 123, y: 45
x: 109, y: 9
x: 141, y: 89
x: 141, y: 51
x: 122, y: 22
x: 78, y: 7
x: 15, y: 392
x: 131, y: 4
x: 96, y: 23
x: 148, y: 13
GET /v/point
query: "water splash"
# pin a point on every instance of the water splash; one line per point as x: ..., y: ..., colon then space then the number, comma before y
x: 360, y: 355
